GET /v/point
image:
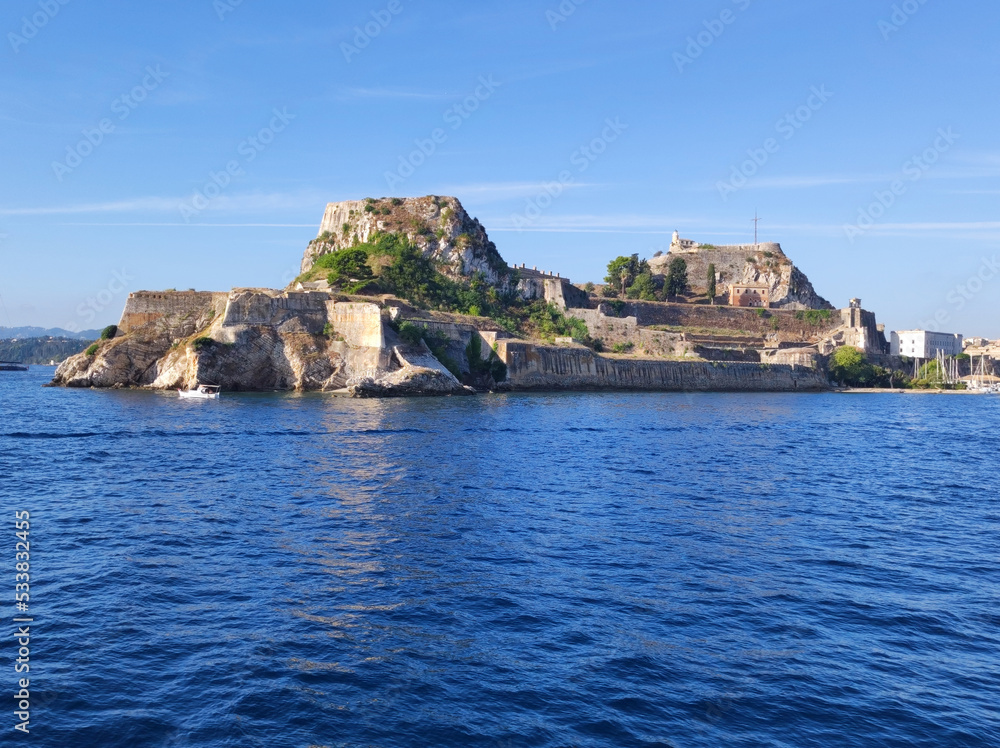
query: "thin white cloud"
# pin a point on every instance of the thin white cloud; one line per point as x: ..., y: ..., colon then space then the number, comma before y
x: 208, y: 225
x: 222, y: 204
x: 694, y: 226
x: 984, y: 167
x: 489, y: 191
x: 593, y: 223
x: 393, y: 93
x: 821, y: 180
x: 896, y: 229
x: 940, y: 226
x: 153, y: 204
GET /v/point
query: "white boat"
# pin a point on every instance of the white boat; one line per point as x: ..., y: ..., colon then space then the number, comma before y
x: 202, y: 392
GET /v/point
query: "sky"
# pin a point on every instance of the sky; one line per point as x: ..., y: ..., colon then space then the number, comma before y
x: 195, y: 144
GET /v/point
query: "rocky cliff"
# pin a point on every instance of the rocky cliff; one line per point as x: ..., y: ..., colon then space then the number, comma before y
x: 439, y: 226
x: 759, y: 264
x: 254, y: 340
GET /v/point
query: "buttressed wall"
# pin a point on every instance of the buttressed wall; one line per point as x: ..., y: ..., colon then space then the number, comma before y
x: 548, y: 367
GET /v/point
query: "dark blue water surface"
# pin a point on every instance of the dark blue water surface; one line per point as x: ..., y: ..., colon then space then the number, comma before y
x: 520, y: 570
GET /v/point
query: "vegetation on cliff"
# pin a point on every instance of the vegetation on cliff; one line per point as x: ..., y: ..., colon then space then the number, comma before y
x: 391, y: 264
x: 439, y: 227
x: 677, y: 278
x: 484, y: 372
x: 631, y: 278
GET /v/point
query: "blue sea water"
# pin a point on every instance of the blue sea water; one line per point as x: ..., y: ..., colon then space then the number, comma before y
x: 515, y: 570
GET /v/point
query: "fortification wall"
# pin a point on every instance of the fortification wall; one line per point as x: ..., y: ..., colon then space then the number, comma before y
x: 553, y: 289
x: 804, y: 357
x: 360, y: 325
x: 143, y: 308
x: 617, y: 330
x: 251, y: 306
x: 565, y: 295
x: 548, y: 367
x: 858, y: 329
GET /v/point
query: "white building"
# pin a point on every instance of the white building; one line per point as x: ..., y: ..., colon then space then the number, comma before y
x: 925, y: 344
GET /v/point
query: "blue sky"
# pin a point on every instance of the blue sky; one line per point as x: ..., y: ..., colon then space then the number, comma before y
x: 863, y: 132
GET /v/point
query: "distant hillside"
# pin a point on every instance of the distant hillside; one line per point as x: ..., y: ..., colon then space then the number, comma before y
x: 19, y: 333
x: 42, y: 350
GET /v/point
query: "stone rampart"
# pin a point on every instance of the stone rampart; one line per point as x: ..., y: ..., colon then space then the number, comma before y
x: 360, y: 325
x: 287, y: 312
x: 143, y: 308
x: 549, y: 367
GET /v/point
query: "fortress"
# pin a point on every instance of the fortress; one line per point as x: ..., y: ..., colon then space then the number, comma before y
x: 310, y: 336
x: 746, y: 267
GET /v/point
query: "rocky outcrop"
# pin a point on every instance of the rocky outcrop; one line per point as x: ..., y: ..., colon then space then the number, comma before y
x: 757, y: 264
x: 151, y: 324
x: 439, y: 226
x: 420, y: 373
x: 258, y: 340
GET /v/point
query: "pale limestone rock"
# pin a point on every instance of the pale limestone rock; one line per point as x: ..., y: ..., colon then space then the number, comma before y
x: 761, y: 264
x: 439, y: 226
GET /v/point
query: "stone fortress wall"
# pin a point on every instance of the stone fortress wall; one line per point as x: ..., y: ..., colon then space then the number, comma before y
x: 532, y: 366
x: 145, y: 307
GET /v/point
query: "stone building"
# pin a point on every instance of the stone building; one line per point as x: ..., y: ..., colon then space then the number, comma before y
x: 925, y: 344
x: 750, y: 295
x: 678, y: 244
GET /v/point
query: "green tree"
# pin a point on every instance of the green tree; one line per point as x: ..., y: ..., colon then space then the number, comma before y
x: 677, y: 277
x: 848, y: 366
x: 623, y: 270
x: 644, y: 287
x: 411, y: 276
x: 350, y: 266
x: 711, y: 284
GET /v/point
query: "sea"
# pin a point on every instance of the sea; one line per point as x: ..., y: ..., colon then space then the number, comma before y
x: 571, y: 569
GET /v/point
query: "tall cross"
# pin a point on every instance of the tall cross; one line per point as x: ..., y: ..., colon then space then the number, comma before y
x: 756, y: 220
